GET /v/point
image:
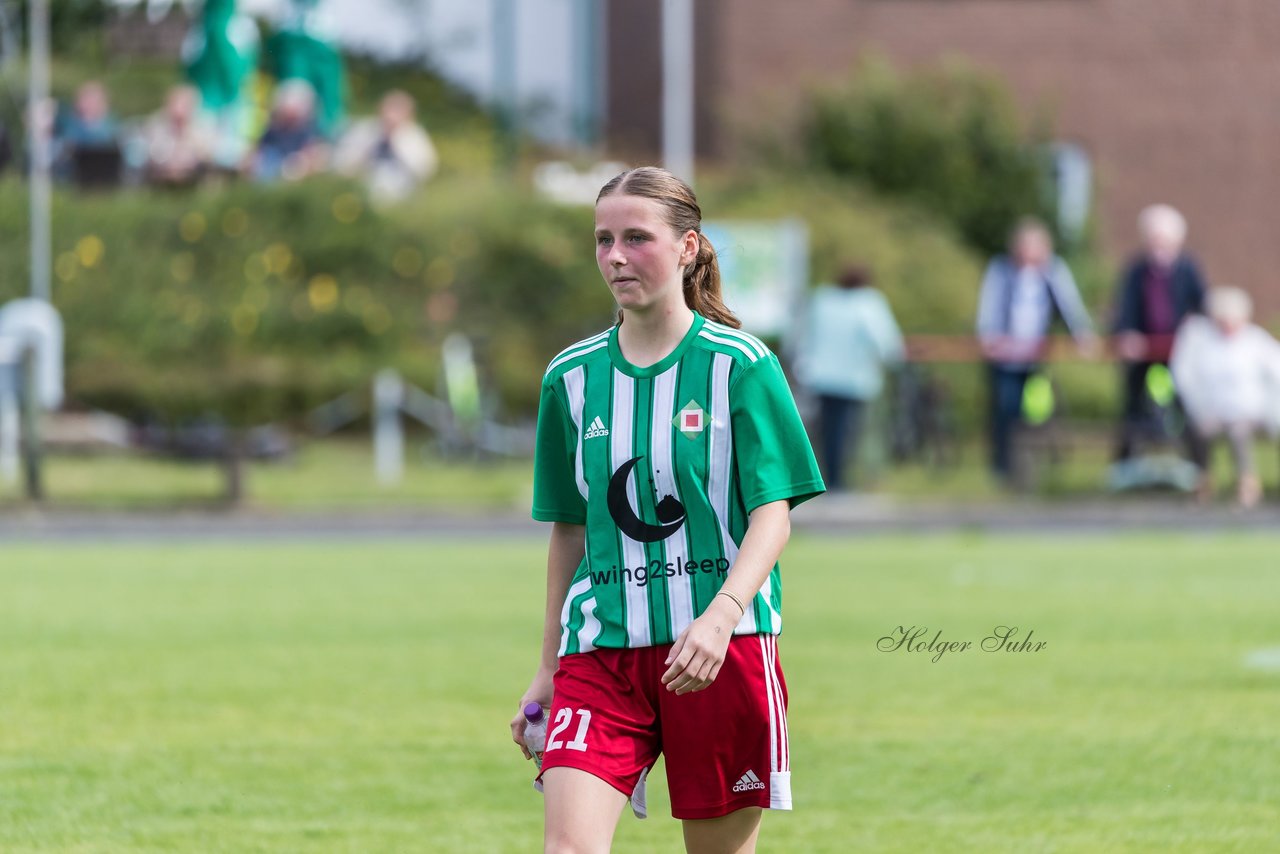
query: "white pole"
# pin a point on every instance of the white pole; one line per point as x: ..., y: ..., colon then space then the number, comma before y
x: 37, y: 98
x: 505, y: 77
x: 388, y: 434
x: 677, y: 87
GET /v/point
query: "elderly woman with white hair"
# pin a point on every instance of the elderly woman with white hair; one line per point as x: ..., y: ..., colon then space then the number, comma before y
x: 1227, y: 372
x: 1161, y: 288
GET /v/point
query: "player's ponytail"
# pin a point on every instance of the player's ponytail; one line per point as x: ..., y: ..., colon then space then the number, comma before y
x: 702, y: 277
x: 702, y: 286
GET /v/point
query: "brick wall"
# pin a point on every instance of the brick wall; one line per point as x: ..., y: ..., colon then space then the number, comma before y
x: 130, y: 34
x: 1175, y: 100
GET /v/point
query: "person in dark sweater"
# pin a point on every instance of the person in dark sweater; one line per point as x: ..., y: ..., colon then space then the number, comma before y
x: 1159, y: 289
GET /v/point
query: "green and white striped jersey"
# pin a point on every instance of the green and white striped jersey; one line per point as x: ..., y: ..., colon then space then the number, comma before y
x: 663, y: 465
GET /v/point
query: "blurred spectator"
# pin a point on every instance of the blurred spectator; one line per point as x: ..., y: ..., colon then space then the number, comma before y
x: 1227, y: 372
x: 1158, y: 290
x: 291, y: 147
x: 849, y: 338
x: 87, y: 140
x: 178, y: 143
x: 1020, y: 293
x: 90, y: 121
x: 392, y: 152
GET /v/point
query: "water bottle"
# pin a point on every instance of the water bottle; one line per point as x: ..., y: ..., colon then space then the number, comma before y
x: 535, y: 731
x: 535, y: 738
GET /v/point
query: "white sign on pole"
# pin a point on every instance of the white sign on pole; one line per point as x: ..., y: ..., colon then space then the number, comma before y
x: 34, y: 324
x: 28, y: 325
x: 764, y: 268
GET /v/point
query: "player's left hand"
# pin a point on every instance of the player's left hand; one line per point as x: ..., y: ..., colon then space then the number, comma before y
x: 696, y: 656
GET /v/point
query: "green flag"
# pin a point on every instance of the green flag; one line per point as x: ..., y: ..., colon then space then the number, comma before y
x: 221, y: 53
x: 302, y: 50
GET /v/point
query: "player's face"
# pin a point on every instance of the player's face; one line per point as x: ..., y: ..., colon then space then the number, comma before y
x: 640, y: 257
x: 1032, y: 248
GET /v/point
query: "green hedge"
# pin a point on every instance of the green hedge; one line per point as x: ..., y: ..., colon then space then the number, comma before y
x: 929, y: 276
x: 949, y: 138
x: 258, y: 302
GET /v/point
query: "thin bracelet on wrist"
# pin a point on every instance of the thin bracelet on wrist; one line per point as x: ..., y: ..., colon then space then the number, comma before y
x: 735, y: 599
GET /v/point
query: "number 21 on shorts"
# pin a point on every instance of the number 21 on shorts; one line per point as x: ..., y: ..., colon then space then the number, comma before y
x: 564, y: 718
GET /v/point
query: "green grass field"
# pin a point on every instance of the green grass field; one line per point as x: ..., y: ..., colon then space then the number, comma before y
x: 323, y: 474
x: 332, y: 697
x: 338, y: 473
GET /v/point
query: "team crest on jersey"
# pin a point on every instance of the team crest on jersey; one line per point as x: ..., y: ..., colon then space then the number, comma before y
x: 691, y: 420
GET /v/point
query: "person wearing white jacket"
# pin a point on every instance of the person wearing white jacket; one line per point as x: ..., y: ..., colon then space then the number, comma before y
x: 393, y: 153
x: 1227, y: 373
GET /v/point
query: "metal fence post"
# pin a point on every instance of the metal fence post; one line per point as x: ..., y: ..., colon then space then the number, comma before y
x: 31, y: 449
x: 388, y: 433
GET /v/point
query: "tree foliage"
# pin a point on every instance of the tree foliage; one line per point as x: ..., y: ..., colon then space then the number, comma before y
x: 949, y: 138
x: 256, y: 303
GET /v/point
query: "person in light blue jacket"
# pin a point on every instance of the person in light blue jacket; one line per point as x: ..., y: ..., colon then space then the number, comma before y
x: 850, y: 335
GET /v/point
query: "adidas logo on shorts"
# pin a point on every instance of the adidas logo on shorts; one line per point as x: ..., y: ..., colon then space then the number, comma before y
x: 748, y: 783
x: 597, y: 428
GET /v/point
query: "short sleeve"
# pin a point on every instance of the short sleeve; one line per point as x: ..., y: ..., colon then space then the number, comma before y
x: 555, y: 490
x: 772, y: 454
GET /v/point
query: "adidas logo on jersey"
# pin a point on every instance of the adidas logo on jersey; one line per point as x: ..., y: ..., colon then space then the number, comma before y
x: 748, y: 783
x: 597, y: 428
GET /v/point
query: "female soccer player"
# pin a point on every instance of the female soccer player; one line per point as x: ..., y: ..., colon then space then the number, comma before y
x: 669, y: 453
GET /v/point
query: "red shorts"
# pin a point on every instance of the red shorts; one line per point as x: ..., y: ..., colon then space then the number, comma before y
x: 725, y: 747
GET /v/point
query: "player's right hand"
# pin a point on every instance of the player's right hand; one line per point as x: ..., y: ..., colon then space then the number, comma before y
x: 539, y: 692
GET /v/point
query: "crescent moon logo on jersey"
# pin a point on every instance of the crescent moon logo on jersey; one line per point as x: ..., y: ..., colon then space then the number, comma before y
x: 670, y: 510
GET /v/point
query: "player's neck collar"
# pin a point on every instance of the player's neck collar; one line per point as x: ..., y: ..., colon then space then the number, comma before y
x: 621, y: 363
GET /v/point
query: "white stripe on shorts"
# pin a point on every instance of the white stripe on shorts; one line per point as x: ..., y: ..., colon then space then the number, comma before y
x: 784, y: 738
x: 779, y: 743
x: 773, y: 706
